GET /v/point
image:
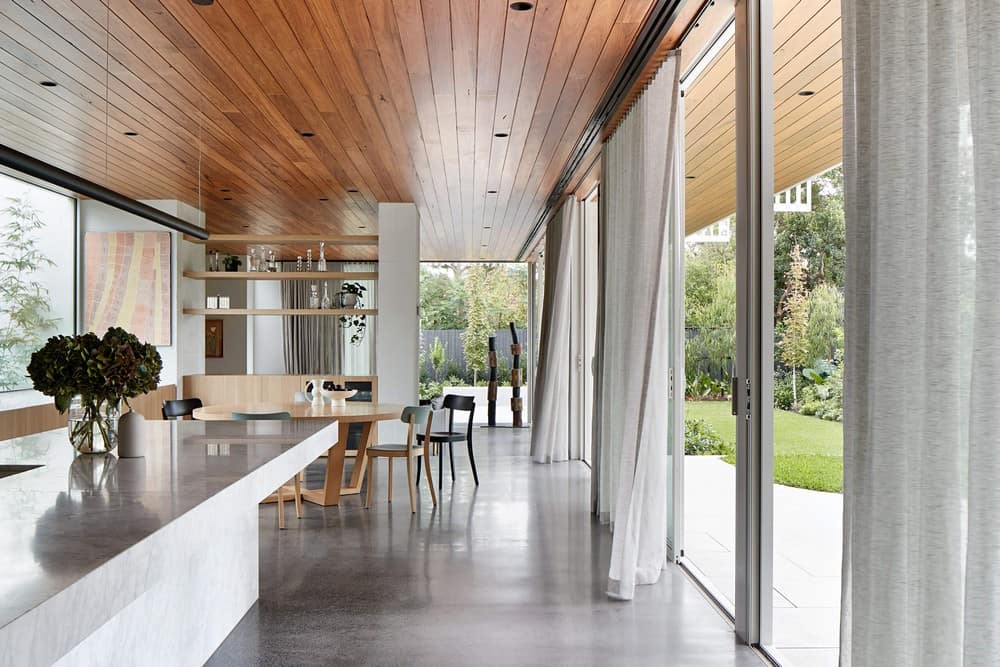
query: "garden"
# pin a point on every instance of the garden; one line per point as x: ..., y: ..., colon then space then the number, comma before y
x: 809, y: 343
x: 461, y: 306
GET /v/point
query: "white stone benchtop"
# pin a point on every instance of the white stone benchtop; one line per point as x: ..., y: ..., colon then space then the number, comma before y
x: 79, y: 516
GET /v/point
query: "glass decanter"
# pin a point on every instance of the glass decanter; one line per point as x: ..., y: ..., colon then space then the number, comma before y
x: 321, y: 265
x: 309, y: 259
x: 326, y: 303
x: 314, y: 296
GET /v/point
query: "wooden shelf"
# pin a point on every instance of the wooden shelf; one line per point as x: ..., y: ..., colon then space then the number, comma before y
x: 282, y: 275
x: 279, y: 311
x: 286, y: 239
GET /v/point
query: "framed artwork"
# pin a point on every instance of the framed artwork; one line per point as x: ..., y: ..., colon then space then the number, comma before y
x: 127, y: 283
x: 213, y: 338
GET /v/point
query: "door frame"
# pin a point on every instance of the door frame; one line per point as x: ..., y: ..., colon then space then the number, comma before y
x: 754, y: 398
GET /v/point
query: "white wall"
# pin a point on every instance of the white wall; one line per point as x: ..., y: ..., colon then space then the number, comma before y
x: 266, y: 333
x: 397, y: 345
x: 234, y: 329
x: 186, y: 353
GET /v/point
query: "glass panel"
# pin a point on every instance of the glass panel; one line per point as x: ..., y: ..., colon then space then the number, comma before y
x: 809, y: 332
x: 461, y: 306
x: 37, y: 271
x: 709, y: 539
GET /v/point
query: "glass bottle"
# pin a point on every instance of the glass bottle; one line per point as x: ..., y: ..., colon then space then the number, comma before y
x: 215, y: 260
x: 326, y: 304
x: 313, y: 296
x: 321, y: 265
x: 252, y: 263
x: 272, y: 265
x: 298, y: 264
x: 261, y: 259
x: 309, y: 259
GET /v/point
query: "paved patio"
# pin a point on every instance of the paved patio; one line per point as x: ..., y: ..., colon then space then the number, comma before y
x: 807, y: 548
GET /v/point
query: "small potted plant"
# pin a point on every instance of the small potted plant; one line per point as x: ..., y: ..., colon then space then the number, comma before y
x: 350, y: 295
x: 89, y: 376
x: 232, y: 263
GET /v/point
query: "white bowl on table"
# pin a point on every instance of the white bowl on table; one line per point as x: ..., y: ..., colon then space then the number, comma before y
x: 338, y: 397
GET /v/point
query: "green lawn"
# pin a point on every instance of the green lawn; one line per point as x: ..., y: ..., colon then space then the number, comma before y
x: 808, y: 451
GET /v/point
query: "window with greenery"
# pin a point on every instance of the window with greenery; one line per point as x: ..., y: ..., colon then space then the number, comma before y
x: 37, y: 269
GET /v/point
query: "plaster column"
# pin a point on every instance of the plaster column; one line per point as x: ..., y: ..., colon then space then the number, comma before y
x: 398, y: 323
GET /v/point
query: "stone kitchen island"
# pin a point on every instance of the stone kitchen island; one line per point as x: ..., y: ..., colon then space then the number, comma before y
x: 148, y: 561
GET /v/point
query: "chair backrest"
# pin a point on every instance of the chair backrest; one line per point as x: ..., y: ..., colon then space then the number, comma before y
x: 453, y: 403
x: 416, y: 416
x: 460, y: 403
x: 261, y: 416
x: 180, y: 408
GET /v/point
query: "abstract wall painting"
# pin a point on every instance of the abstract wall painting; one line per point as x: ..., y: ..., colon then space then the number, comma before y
x: 127, y: 284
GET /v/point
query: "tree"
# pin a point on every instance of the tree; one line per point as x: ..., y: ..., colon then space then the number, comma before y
x: 437, y: 356
x: 825, y: 332
x: 442, y: 298
x: 24, y: 302
x: 495, y: 294
x: 820, y: 235
x: 795, y: 319
x: 710, y: 308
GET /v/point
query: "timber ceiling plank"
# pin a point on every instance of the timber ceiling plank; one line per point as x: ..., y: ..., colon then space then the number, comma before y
x: 163, y: 99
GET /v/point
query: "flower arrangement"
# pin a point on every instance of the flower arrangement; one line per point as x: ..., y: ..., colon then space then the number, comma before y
x: 99, y: 373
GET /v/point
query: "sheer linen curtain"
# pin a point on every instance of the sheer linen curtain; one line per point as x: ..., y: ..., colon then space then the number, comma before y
x: 550, y: 411
x: 921, y: 566
x: 631, y: 419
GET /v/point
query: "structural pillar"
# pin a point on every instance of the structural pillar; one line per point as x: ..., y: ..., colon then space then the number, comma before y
x: 397, y: 340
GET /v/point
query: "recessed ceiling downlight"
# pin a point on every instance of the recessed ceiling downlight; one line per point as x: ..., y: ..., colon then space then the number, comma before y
x: 501, y: 135
x: 48, y: 84
x: 307, y: 134
x: 521, y: 6
x: 130, y: 133
x: 806, y: 93
x: 203, y: 3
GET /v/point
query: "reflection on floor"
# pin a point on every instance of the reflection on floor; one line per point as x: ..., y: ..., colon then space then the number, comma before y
x: 511, y: 573
x: 807, y: 548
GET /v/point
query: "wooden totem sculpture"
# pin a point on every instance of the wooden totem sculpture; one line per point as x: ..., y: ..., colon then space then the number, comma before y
x: 491, y: 387
x: 516, y: 402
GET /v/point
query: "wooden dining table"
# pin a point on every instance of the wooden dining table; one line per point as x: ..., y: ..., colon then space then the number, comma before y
x: 352, y: 412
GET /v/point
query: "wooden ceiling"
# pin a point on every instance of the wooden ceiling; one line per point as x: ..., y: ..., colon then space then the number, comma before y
x: 807, y: 129
x: 403, y: 99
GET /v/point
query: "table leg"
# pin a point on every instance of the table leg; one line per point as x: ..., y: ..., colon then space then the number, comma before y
x: 360, y: 462
x: 331, y: 491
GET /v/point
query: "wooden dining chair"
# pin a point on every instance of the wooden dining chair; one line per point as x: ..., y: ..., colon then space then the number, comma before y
x: 296, y: 480
x: 453, y: 403
x: 415, y: 417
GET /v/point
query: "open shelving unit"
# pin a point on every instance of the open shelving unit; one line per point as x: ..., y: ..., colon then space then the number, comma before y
x: 282, y: 275
x: 280, y: 311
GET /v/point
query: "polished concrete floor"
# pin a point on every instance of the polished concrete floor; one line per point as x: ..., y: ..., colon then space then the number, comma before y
x: 510, y: 573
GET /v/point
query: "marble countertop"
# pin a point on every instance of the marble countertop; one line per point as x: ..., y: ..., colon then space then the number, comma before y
x: 64, y: 519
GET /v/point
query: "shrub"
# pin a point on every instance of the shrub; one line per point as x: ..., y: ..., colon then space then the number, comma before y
x: 701, y: 439
x: 783, y: 398
x: 431, y: 389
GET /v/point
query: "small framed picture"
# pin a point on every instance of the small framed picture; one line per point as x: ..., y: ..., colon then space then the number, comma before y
x: 213, y: 338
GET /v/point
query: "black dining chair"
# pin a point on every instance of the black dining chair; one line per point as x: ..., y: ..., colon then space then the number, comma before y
x: 179, y: 409
x: 453, y: 403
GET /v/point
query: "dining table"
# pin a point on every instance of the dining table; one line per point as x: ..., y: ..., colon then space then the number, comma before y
x: 351, y: 412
